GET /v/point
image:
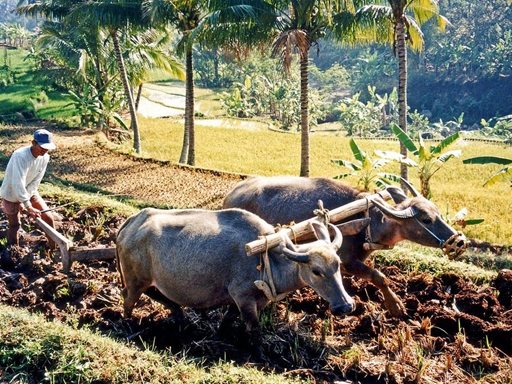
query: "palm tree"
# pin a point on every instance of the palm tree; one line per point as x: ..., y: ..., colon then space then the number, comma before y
x: 185, y: 16
x: 113, y: 15
x: 398, y: 24
x: 295, y: 25
x: 150, y: 50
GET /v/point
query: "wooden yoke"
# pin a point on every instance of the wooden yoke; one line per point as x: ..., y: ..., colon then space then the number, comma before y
x: 299, y: 230
x: 63, y: 243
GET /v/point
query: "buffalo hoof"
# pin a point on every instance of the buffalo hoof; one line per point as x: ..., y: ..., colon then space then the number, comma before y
x: 396, y: 308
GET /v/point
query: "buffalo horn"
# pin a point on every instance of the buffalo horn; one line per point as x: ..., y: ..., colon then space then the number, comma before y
x: 397, y: 214
x: 296, y: 256
x: 409, y: 186
x: 338, y: 238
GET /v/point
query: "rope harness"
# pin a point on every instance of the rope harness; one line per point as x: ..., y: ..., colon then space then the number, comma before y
x: 369, y: 245
x: 268, y: 288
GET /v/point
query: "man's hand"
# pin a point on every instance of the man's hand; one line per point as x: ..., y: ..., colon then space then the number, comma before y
x: 33, y: 212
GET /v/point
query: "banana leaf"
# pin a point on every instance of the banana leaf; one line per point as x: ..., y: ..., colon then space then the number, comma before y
x: 446, y: 142
x: 347, y: 164
x: 448, y: 155
x: 404, y: 139
x: 358, y: 153
x: 500, y: 175
x: 487, y: 160
x: 395, y: 156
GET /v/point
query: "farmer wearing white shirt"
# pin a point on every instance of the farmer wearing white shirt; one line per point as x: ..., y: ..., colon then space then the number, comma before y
x: 23, y: 175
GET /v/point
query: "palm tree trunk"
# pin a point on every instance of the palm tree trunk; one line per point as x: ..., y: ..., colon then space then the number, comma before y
x: 139, y: 94
x: 188, y: 149
x: 101, y: 93
x: 127, y: 91
x: 402, y: 88
x: 189, y: 110
x: 304, y: 115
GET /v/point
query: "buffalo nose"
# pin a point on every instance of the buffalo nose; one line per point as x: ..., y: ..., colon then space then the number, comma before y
x: 343, y: 309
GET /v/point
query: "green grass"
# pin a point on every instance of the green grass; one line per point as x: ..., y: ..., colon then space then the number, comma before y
x: 256, y: 150
x: 412, y: 258
x: 28, y: 93
x: 35, y: 350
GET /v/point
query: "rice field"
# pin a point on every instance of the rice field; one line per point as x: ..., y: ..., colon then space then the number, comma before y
x: 251, y: 148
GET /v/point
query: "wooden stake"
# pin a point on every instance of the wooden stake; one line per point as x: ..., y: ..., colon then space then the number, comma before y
x: 63, y: 243
x: 300, y: 230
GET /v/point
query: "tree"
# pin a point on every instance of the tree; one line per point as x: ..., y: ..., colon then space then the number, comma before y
x: 295, y: 26
x: 185, y: 16
x: 430, y: 159
x: 118, y: 17
x: 366, y: 169
x: 393, y: 24
x: 148, y: 50
x: 115, y: 16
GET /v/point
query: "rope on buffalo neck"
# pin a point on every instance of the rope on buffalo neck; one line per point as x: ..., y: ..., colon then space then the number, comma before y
x: 369, y: 245
x: 269, y: 289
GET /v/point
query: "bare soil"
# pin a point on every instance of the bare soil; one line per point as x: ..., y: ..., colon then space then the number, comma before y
x: 455, y: 330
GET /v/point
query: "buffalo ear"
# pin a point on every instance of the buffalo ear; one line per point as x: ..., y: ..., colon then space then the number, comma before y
x: 353, y: 227
x: 397, y: 194
x: 321, y: 232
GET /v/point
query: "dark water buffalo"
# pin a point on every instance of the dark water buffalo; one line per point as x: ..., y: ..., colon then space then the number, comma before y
x: 285, y: 199
x: 197, y: 259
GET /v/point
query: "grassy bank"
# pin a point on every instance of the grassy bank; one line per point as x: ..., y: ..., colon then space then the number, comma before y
x: 35, y: 350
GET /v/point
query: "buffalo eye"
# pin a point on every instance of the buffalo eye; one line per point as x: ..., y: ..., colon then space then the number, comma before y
x: 317, y: 272
x: 426, y: 220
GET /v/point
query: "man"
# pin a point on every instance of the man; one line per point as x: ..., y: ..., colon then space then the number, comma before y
x: 23, y: 175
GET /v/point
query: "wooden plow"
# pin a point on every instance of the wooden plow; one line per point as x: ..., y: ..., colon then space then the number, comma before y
x: 298, y: 231
x: 69, y: 252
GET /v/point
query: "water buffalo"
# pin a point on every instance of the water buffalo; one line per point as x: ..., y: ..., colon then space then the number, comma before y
x: 282, y: 199
x: 196, y: 258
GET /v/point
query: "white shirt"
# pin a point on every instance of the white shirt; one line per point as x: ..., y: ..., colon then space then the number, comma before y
x: 23, y: 175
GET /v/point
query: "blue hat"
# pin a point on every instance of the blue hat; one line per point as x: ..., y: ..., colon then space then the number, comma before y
x: 44, y: 139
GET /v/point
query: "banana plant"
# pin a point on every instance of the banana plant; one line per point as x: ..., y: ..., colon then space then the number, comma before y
x: 460, y: 219
x: 503, y: 173
x: 366, y: 168
x: 430, y: 158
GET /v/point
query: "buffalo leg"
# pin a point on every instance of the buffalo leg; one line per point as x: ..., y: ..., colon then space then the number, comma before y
x: 392, y: 302
x: 131, y: 295
x: 176, y: 310
x: 228, y: 319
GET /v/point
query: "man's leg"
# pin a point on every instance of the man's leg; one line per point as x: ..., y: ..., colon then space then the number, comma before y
x: 12, y: 211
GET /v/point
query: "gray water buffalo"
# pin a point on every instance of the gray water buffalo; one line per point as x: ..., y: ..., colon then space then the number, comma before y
x: 196, y: 258
x: 279, y: 200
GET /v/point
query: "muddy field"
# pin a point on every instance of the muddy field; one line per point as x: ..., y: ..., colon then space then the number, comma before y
x: 455, y: 331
